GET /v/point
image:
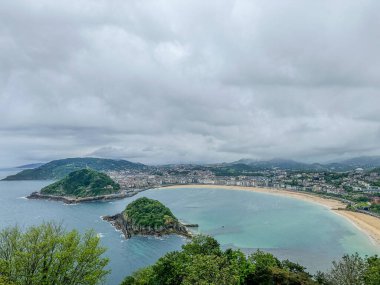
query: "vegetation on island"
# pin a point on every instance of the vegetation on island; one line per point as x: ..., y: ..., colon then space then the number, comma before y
x: 147, y: 217
x: 83, y: 183
x: 145, y: 212
x: 58, y: 169
x: 203, y: 262
x: 48, y: 254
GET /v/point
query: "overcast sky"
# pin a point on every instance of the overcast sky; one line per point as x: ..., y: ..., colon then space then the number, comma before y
x: 189, y: 81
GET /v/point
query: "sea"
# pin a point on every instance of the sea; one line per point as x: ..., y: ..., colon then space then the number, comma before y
x: 292, y: 229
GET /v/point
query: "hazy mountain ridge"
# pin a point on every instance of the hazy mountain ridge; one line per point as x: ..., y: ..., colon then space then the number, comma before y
x: 30, y: 166
x: 365, y: 162
x: 58, y: 169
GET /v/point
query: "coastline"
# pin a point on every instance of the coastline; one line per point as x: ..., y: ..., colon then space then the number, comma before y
x: 75, y: 200
x: 119, y: 223
x: 369, y: 225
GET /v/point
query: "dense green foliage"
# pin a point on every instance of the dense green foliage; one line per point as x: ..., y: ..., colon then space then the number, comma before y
x: 353, y: 270
x: 375, y: 208
x: 148, y: 213
x: 83, y: 183
x: 47, y: 254
x: 58, y: 169
x: 203, y: 262
x: 234, y: 170
x: 375, y: 170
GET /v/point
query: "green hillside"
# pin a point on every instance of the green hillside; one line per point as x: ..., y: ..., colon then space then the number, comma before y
x: 146, y: 212
x: 58, y: 169
x: 83, y: 183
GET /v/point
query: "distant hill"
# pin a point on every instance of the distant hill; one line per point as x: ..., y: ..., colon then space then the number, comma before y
x: 82, y: 183
x: 376, y: 170
x: 30, y: 166
x: 286, y: 164
x: 362, y: 162
x: 365, y: 162
x: 58, y: 169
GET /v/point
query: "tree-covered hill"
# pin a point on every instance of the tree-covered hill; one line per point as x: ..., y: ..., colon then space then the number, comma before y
x: 58, y: 169
x: 148, y: 213
x: 82, y: 183
x: 147, y: 217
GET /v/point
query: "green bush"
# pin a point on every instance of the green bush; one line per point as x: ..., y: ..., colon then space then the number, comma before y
x: 47, y: 254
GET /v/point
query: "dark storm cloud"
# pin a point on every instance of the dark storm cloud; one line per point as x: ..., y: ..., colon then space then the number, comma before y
x: 185, y: 81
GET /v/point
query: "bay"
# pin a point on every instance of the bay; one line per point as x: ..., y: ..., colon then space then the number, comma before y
x: 301, y: 231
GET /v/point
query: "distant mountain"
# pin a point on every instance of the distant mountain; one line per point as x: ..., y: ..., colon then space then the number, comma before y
x: 362, y: 162
x: 365, y: 162
x: 278, y: 163
x: 58, y: 169
x: 30, y: 166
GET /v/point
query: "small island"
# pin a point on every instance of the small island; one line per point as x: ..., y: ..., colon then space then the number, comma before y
x: 81, y: 186
x: 147, y: 217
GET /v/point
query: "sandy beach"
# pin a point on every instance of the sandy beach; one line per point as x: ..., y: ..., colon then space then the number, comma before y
x: 367, y: 224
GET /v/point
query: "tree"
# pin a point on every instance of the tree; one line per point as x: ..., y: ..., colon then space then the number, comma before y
x: 202, y: 244
x: 211, y: 269
x: 140, y: 277
x: 47, y: 254
x: 350, y: 270
x: 170, y: 269
x: 372, y: 274
x: 5, y: 281
x: 322, y: 278
x: 269, y: 270
x: 239, y: 263
x: 201, y: 261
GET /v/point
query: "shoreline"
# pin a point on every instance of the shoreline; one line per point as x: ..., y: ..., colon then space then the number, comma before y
x: 120, y: 223
x: 367, y: 224
x: 76, y: 200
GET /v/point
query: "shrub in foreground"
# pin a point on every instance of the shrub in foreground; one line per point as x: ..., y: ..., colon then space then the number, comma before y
x: 203, y: 262
x: 47, y: 254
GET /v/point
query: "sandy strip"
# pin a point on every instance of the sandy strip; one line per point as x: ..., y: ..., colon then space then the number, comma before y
x: 367, y: 224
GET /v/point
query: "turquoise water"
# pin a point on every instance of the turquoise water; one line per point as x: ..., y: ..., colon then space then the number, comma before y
x: 289, y: 228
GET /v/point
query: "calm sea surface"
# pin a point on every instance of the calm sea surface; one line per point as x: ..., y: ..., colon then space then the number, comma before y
x: 289, y: 228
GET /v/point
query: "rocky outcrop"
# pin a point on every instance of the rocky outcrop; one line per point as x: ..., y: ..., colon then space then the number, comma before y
x: 129, y: 229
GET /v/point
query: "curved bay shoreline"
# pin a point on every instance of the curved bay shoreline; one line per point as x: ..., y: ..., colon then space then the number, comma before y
x: 367, y: 224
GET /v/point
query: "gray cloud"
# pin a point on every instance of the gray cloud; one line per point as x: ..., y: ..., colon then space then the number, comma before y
x: 178, y: 81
